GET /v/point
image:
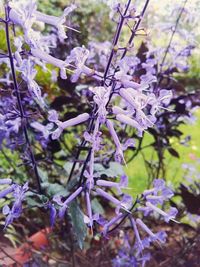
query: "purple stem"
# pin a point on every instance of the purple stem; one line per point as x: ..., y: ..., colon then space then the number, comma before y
x: 19, y: 100
x: 171, y: 38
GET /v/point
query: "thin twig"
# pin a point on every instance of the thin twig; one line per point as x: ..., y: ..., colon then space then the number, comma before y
x: 19, y: 101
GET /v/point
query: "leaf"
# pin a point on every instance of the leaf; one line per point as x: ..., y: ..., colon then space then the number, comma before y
x: 13, y: 239
x: 78, y: 224
x: 54, y: 189
x: 115, y: 169
x: 35, y: 200
x: 97, y: 207
x: 67, y: 167
x: 33, y: 203
x: 173, y: 152
x: 174, y: 132
x: 43, y: 175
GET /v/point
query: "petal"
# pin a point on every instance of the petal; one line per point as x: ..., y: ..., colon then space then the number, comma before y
x: 6, y: 210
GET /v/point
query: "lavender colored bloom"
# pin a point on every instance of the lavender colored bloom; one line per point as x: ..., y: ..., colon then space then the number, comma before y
x: 53, y: 214
x: 51, y: 60
x: 145, y: 228
x: 18, y: 193
x: 58, y: 22
x: 95, y: 140
x: 100, y: 50
x: 113, y: 221
x: 45, y: 130
x: 64, y: 205
x: 127, y: 120
x: 124, y: 260
x: 21, y: 13
x: 6, y: 191
x: 122, y: 184
x: 78, y: 56
x: 89, y: 209
x: 119, y: 157
x: 90, y: 218
x: 159, y: 193
x: 167, y: 216
x: 24, y: 13
x: 101, y: 98
x: 14, y: 125
x: 28, y: 75
x: 53, y: 116
x: 77, y: 120
x: 125, y: 203
x: 5, y: 181
x: 139, y: 243
x: 108, y: 196
x: 72, y: 122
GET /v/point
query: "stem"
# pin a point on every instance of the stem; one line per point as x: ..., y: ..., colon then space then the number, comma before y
x: 136, y: 26
x: 115, y: 40
x: 171, y: 38
x: 82, y: 145
x: 125, y: 216
x: 19, y: 100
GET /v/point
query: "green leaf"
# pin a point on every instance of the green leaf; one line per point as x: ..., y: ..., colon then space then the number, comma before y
x: 97, y: 207
x: 78, y: 224
x: 35, y: 200
x: 115, y: 169
x: 43, y: 175
x: 55, y: 189
x: 173, y: 152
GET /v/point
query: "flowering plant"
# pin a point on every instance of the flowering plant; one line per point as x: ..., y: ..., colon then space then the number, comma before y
x: 109, y: 95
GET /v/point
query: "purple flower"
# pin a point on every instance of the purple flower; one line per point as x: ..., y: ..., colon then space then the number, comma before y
x: 6, y: 191
x: 167, y: 216
x: 94, y: 139
x: 64, y: 205
x: 53, y: 116
x: 127, y: 120
x: 18, y: 193
x: 89, y: 209
x: 139, y: 243
x: 53, y: 214
x: 159, y: 193
x: 101, y: 98
x: 57, y: 22
x: 44, y: 129
x: 77, y: 120
x: 145, y: 228
x: 90, y: 218
x: 14, y: 125
x: 113, y: 221
x: 78, y: 56
x: 5, y: 181
x: 21, y: 13
x: 119, y: 157
x: 37, y: 53
x: 122, y: 184
x: 125, y: 203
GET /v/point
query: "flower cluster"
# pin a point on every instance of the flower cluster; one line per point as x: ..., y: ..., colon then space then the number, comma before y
x: 18, y: 194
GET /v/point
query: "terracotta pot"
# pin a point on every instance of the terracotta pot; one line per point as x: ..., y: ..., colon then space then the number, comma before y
x: 37, y: 241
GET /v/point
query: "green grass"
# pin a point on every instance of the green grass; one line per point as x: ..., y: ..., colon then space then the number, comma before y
x: 137, y: 173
